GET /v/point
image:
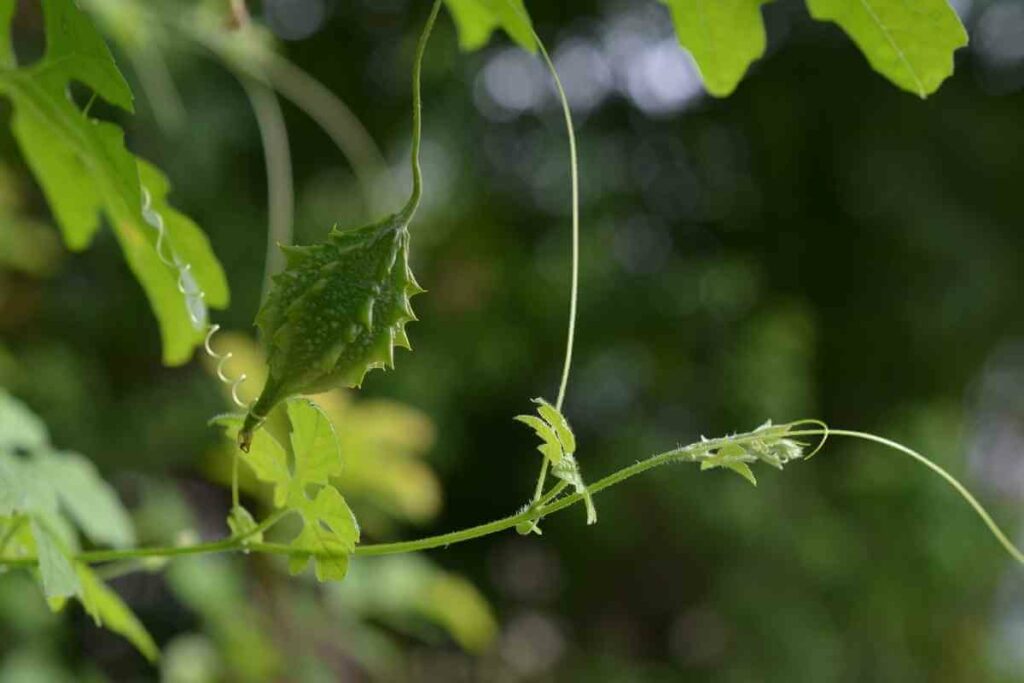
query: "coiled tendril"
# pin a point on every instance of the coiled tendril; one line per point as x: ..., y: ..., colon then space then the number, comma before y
x: 194, y: 296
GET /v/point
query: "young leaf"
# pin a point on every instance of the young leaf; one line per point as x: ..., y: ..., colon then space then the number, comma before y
x: 550, y: 446
x: 85, y: 170
x: 724, y: 36
x: 329, y: 535
x: 329, y: 529
x: 110, y: 612
x: 768, y: 443
x: 476, y: 20
x: 241, y: 521
x: 561, y: 426
x: 558, y: 445
x: 340, y: 307
x: 731, y: 457
x: 910, y: 42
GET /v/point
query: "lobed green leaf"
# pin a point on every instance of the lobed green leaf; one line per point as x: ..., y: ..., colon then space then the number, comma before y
x: 768, y: 443
x: 85, y: 170
x: 550, y: 446
x: 557, y: 445
x: 36, y: 488
x: 558, y: 422
x: 329, y: 529
x: 92, y: 502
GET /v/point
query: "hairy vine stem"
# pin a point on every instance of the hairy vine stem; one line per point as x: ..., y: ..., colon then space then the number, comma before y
x: 553, y: 502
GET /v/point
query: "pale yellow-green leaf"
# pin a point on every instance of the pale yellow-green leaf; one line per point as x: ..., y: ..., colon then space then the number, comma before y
x: 724, y: 36
x: 317, y: 458
x: 186, y: 239
x: 558, y: 422
x: 266, y: 457
x: 910, y: 42
x: 329, y: 530
x: 329, y: 536
x: 476, y: 20
x: 85, y: 170
x: 91, y: 501
x: 550, y: 446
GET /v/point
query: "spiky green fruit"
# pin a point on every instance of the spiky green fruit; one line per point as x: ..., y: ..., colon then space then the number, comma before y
x: 336, y: 312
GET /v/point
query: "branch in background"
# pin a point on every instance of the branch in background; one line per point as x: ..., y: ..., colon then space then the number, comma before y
x: 280, y: 190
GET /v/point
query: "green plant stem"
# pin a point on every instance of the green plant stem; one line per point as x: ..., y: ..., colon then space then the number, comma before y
x: 417, y: 114
x: 691, y: 453
x: 575, y: 253
x: 326, y: 109
x: 236, y: 542
x: 541, y: 478
x: 1000, y: 536
x: 555, y: 490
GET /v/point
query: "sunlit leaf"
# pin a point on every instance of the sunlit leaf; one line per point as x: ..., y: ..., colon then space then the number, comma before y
x: 383, y: 442
x: 186, y: 239
x: 561, y: 426
x: 476, y: 20
x: 329, y: 535
x: 550, y: 446
x: 85, y: 170
x: 329, y: 529
x: 317, y: 457
x: 724, y: 36
x: 910, y: 42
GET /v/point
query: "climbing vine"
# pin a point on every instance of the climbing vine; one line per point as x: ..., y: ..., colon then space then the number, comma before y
x: 338, y: 308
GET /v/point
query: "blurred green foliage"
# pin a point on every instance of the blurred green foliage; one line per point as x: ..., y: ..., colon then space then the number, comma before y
x: 819, y: 244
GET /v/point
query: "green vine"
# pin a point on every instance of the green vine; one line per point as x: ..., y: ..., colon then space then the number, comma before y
x: 336, y: 311
x: 739, y: 450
